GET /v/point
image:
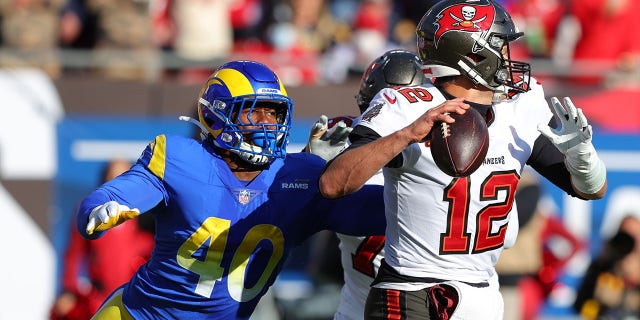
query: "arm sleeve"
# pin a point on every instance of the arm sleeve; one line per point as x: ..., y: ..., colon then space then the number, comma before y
x: 358, y: 214
x: 136, y: 188
x: 527, y: 199
x: 548, y: 161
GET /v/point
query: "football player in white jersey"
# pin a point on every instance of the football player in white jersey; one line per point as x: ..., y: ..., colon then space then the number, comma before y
x: 361, y: 256
x: 445, y: 234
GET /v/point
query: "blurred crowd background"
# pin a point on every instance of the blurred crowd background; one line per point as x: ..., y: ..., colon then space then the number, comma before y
x: 579, y: 47
x: 85, y: 81
x: 320, y: 40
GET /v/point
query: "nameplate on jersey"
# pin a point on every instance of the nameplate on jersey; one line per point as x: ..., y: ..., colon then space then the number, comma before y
x: 299, y: 184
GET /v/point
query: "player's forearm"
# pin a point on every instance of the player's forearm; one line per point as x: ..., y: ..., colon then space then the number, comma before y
x: 137, y: 188
x: 599, y: 194
x: 349, y: 171
x: 588, y: 173
x: 367, y: 204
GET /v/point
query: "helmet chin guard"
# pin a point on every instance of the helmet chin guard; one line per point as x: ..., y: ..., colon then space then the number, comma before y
x: 263, y: 143
x: 251, y: 153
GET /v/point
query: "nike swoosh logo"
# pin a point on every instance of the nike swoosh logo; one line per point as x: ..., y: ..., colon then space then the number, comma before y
x: 392, y: 101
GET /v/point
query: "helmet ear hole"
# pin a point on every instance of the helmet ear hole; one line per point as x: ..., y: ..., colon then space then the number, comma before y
x: 475, y: 57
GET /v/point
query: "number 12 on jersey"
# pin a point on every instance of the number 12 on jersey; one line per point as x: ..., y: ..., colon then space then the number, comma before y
x: 456, y: 239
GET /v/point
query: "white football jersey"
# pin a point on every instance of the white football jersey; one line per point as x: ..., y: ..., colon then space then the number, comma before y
x: 451, y: 228
x: 360, y: 258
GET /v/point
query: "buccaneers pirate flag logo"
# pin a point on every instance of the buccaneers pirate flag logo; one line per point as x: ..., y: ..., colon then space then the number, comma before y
x: 464, y: 17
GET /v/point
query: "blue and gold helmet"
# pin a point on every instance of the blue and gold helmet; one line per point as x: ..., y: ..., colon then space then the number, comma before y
x: 234, y: 87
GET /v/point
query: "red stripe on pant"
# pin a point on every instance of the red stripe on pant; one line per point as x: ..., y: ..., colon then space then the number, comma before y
x: 393, y: 308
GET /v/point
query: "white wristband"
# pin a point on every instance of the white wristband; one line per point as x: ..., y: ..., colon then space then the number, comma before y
x: 589, y: 181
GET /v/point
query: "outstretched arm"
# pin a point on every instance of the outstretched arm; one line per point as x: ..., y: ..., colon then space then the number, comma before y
x: 117, y: 201
x: 350, y: 170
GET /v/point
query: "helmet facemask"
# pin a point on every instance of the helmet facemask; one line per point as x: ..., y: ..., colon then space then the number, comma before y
x: 510, y: 73
x: 243, y: 133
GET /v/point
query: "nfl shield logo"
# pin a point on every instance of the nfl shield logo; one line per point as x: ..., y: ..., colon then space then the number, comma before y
x: 244, y: 196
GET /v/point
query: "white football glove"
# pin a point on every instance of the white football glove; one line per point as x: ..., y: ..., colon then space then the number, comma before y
x: 327, y: 143
x: 109, y: 215
x: 573, y: 138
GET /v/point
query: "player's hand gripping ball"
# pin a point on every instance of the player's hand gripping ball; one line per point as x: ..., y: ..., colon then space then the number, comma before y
x: 459, y: 148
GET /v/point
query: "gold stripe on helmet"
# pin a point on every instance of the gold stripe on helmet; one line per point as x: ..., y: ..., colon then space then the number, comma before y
x: 235, y: 81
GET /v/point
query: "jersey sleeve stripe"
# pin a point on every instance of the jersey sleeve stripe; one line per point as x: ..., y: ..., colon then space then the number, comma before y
x: 158, y: 160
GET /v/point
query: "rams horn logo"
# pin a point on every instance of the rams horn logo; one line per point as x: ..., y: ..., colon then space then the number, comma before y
x: 464, y: 17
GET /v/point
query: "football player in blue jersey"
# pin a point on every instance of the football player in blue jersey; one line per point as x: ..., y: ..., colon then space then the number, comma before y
x: 235, y: 204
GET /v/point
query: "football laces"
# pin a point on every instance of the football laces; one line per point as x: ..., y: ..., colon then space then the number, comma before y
x: 445, y: 128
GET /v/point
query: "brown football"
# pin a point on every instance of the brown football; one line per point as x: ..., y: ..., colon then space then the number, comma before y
x: 459, y: 149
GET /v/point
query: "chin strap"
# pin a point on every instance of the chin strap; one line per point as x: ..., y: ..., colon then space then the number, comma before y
x: 203, y: 130
x: 500, y: 93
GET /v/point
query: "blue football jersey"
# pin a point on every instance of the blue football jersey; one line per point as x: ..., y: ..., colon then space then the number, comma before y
x: 221, y: 242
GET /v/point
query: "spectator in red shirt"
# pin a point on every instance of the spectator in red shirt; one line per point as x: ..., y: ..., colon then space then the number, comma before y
x: 608, y: 30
